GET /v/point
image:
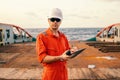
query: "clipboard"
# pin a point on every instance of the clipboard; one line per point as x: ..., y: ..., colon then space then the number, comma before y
x: 75, y: 53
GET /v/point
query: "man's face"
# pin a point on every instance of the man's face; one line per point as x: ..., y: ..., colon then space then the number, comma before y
x: 54, y: 23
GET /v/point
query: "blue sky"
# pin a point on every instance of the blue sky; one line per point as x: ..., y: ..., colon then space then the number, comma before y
x: 77, y: 13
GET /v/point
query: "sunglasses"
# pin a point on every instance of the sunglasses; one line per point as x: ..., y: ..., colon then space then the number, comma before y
x: 55, y: 19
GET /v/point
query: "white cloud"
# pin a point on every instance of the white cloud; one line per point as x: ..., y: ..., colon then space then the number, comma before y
x: 89, y: 13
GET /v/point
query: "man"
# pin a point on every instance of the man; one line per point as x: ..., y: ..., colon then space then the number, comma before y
x: 51, y: 47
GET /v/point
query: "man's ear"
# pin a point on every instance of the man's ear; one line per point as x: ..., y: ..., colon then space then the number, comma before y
x: 48, y: 20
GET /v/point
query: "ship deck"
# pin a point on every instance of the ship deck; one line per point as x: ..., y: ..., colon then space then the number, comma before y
x: 19, y: 61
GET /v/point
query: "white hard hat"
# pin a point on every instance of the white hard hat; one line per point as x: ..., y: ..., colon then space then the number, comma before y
x: 55, y: 13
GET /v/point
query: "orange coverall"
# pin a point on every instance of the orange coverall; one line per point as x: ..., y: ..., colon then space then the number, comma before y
x: 48, y: 44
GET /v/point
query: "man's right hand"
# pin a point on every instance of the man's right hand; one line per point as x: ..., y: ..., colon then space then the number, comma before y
x: 64, y: 56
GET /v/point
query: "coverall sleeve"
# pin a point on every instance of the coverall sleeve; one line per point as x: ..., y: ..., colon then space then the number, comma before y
x: 66, y: 42
x: 40, y: 48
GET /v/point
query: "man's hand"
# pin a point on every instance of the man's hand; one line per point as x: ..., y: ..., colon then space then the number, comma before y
x: 64, y: 56
x: 73, y: 49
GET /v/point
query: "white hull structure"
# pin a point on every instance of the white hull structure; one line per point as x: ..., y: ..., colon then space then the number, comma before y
x: 109, y: 34
x: 13, y: 34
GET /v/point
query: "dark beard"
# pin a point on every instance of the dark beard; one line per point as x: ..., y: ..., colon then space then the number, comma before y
x: 54, y: 28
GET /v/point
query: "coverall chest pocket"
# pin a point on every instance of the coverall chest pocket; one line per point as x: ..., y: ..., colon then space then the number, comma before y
x: 52, y: 51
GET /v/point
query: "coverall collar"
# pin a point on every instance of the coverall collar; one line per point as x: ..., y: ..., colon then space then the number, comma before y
x: 49, y: 32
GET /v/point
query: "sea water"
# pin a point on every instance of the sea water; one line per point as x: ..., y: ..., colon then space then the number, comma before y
x: 71, y: 33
